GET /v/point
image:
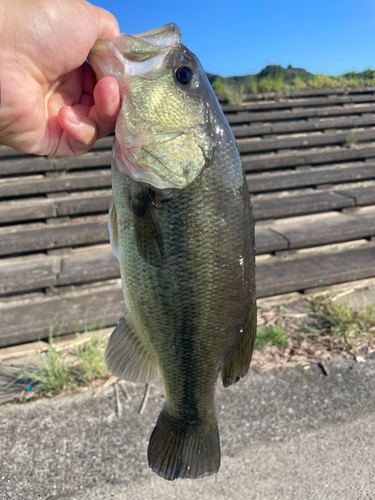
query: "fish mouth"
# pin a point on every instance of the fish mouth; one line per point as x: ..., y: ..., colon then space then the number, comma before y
x: 142, y: 54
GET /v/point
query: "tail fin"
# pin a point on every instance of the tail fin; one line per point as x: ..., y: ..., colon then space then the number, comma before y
x: 175, y: 452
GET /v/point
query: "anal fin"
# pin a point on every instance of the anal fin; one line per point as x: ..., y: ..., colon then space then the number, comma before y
x: 238, y: 363
x: 126, y: 357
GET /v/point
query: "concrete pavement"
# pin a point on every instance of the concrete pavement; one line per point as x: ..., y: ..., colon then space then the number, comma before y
x: 285, y: 434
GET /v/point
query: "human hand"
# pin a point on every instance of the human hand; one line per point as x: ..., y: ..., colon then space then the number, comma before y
x: 50, y: 101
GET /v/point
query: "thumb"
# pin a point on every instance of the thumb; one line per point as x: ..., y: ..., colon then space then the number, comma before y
x: 107, y: 25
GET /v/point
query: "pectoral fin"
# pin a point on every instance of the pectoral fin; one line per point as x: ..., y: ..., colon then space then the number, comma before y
x: 113, y: 230
x: 148, y: 232
x: 238, y: 363
x: 126, y: 357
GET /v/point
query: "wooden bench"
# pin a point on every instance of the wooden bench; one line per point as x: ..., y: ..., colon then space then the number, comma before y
x: 309, y: 158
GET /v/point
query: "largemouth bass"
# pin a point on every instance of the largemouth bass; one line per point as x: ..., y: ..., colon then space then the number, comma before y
x: 181, y: 226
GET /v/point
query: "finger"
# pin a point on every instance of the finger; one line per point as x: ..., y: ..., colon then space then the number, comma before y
x: 87, y: 100
x: 80, y: 131
x: 107, y: 24
x: 82, y: 125
x: 107, y: 106
x: 88, y: 79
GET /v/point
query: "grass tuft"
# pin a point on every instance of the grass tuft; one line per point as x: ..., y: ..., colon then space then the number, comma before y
x: 90, y: 361
x: 340, y: 318
x: 54, y: 375
x: 69, y: 369
x: 235, y: 95
x: 274, y: 335
x: 352, y: 138
x: 271, y: 83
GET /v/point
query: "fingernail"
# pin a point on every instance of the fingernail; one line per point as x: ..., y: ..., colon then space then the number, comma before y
x: 73, y: 118
x: 116, y: 97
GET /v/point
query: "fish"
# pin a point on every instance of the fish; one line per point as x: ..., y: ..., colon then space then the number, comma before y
x: 181, y: 226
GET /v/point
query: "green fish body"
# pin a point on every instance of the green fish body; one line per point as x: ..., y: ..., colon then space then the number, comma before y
x: 186, y: 256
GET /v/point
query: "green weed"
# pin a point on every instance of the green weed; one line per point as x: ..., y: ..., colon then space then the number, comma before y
x: 270, y: 83
x: 54, y: 375
x: 90, y: 361
x: 235, y: 95
x: 220, y: 87
x: 274, y: 335
x: 352, y: 138
x: 69, y: 369
x: 339, y: 318
x: 323, y: 81
x: 299, y: 84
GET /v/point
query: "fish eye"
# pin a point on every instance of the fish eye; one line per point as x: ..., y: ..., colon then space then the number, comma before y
x: 184, y: 75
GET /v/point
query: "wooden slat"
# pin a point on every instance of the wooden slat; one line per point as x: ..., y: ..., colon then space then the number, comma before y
x: 302, y: 126
x: 266, y: 116
x: 70, y: 182
x: 297, y: 103
x: 369, y: 89
x: 260, y: 129
x: 26, y: 165
x: 309, y: 92
x: 85, y: 205
x: 322, y: 124
x: 325, y: 229
x: 33, y: 164
x: 261, y: 183
x: 363, y: 196
x: 269, y: 116
x: 24, y: 274
x: 267, y: 240
x: 303, y: 141
x: 326, y: 155
x: 88, y: 160
x: 44, y: 236
x: 35, y: 209
x: 296, y: 205
x: 14, y: 211
x: 33, y: 273
x: 85, y: 266
x: 284, y: 276
x: 34, y: 319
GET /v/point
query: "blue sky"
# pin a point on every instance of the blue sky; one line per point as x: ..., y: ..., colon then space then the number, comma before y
x: 236, y: 37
